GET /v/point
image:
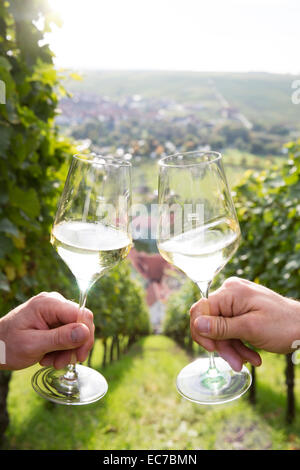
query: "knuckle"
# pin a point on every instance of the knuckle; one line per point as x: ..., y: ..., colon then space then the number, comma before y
x: 48, y: 297
x: 57, y: 337
x: 41, y: 295
x: 219, y: 328
x: 237, y: 284
x: 233, y: 282
x: 235, y: 288
x: 55, y: 294
x: 38, y: 298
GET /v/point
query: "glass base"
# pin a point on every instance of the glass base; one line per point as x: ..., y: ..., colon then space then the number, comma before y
x: 197, y: 383
x: 52, y: 384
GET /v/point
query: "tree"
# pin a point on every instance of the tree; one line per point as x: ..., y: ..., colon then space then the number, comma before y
x: 177, y: 320
x: 119, y: 307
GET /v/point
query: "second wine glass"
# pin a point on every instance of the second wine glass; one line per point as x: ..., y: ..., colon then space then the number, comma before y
x: 198, y: 232
x: 91, y: 233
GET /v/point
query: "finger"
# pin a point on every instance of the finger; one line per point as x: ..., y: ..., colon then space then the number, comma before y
x: 83, y: 351
x: 235, y: 297
x: 206, y: 343
x: 48, y: 359
x: 229, y: 354
x: 220, y: 328
x: 59, y: 360
x: 246, y: 353
x: 56, y: 310
x: 62, y: 359
x: 65, y: 337
x: 200, y: 308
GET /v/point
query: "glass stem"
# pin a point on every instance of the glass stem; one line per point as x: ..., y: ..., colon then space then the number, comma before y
x: 71, y: 373
x: 204, y: 290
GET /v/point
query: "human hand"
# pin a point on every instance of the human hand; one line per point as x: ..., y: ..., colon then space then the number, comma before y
x: 242, y: 311
x: 44, y: 330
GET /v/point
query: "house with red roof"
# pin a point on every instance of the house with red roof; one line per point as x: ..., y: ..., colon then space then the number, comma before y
x: 154, y: 270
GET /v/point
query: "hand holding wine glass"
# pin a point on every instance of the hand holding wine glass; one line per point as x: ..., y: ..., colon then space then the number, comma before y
x: 91, y: 234
x: 241, y: 311
x: 199, y: 233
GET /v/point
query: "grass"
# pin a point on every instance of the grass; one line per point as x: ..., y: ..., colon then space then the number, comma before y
x: 142, y: 409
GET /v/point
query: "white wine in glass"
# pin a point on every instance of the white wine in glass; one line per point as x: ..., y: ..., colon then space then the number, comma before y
x: 201, y: 252
x: 89, y: 249
x: 91, y: 233
x: 198, y: 232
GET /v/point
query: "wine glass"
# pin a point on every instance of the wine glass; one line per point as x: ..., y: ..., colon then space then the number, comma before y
x: 198, y: 232
x: 91, y: 234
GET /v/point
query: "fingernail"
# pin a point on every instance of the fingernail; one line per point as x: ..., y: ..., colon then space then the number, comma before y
x: 78, y: 334
x: 203, y: 324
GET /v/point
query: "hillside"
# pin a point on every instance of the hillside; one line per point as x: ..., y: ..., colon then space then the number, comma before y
x: 263, y: 97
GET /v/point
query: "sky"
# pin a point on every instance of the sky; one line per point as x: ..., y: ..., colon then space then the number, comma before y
x: 194, y: 35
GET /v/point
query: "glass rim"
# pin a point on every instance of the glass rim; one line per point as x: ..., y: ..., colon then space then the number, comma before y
x: 217, y: 156
x: 106, y: 159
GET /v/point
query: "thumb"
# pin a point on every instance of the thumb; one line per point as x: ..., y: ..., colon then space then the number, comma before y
x: 68, y: 336
x: 217, y: 327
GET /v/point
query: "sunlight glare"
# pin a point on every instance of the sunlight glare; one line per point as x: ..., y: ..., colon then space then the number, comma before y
x: 256, y: 35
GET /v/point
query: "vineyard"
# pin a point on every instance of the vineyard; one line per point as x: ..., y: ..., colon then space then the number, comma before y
x: 142, y: 408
